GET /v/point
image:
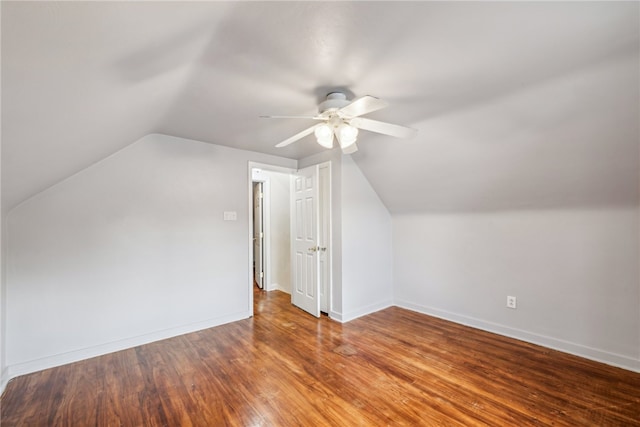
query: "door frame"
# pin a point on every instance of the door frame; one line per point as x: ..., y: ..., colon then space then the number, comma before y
x: 267, y: 218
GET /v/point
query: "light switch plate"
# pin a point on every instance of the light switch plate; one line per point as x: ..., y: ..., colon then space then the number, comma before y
x: 230, y: 215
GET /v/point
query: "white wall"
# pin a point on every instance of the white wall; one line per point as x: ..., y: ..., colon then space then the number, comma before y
x: 281, y: 231
x: 367, y: 284
x: 3, y: 297
x: 130, y: 250
x: 4, y: 377
x: 3, y: 372
x: 574, y: 273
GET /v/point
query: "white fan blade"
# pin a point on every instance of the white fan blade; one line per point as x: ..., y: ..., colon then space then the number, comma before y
x: 382, y: 127
x: 293, y: 117
x: 350, y: 149
x: 298, y: 136
x: 363, y: 105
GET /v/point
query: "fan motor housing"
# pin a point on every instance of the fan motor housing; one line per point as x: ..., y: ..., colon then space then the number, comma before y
x: 334, y: 101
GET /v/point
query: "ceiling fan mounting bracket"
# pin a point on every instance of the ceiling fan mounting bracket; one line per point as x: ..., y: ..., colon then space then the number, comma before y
x: 334, y: 101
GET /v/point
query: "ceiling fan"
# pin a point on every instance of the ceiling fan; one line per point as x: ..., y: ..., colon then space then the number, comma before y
x: 340, y: 117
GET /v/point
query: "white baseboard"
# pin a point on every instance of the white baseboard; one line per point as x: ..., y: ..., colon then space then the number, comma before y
x: 595, y: 354
x: 335, y: 315
x: 28, y: 367
x: 363, y: 311
x: 277, y: 287
x: 613, y: 359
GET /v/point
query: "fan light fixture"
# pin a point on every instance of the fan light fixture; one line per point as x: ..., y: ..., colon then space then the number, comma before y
x: 345, y: 133
x: 342, y: 118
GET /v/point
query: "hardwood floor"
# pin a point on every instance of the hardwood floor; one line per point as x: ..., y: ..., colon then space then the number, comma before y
x: 285, y: 368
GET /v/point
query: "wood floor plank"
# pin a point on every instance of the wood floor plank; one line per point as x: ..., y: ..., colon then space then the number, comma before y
x: 286, y: 368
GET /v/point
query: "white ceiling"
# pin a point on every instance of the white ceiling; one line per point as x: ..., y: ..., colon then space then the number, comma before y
x: 517, y: 104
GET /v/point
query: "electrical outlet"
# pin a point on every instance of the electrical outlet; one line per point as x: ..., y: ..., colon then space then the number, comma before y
x: 511, y: 302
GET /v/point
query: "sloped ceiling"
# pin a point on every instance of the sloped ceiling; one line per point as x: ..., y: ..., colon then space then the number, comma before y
x: 517, y: 105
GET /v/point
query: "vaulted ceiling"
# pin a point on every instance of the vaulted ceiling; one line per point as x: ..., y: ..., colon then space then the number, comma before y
x: 518, y: 105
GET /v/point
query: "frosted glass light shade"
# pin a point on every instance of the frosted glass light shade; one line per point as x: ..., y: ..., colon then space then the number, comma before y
x: 324, y: 135
x: 347, y: 135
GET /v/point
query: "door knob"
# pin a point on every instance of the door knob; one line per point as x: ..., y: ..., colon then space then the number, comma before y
x: 313, y: 249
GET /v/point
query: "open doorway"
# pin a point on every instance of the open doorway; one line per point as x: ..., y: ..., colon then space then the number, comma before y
x: 274, y: 263
x: 270, y: 228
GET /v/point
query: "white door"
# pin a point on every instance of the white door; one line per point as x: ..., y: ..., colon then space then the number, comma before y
x: 258, y: 235
x: 305, y: 291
